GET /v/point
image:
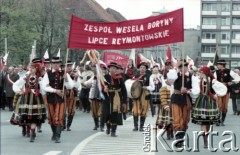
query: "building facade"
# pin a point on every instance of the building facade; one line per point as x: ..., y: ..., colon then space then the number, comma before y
x: 220, y: 27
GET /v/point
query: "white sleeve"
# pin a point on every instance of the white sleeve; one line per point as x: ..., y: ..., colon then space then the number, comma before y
x: 195, y: 91
x: 219, y: 88
x: 45, y: 84
x: 69, y: 84
x: 215, y: 75
x: 77, y: 83
x: 88, y: 82
x: 234, y: 75
x: 151, y: 86
x: 18, y: 85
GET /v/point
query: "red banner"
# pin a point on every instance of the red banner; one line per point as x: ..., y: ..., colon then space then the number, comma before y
x: 156, y: 30
x: 115, y: 57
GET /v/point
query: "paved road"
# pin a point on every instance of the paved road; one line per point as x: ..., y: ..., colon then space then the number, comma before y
x: 82, y: 140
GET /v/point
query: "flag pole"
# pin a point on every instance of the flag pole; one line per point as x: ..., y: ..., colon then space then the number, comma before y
x: 65, y: 69
x: 215, y: 55
x: 182, y: 64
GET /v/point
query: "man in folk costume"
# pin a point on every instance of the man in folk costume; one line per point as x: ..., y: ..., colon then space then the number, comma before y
x: 181, y: 101
x: 224, y: 75
x: 141, y: 105
x: 95, y: 99
x: 70, y: 96
x: 168, y: 65
x: 53, y: 82
x: 46, y: 67
x: 164, y: 119
x: 113, y: 90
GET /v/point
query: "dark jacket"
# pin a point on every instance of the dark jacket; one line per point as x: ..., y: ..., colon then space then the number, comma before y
x: 234, y: 87
x: 8, y: 84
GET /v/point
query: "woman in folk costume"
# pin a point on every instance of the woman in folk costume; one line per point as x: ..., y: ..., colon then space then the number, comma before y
x: 31, y: 108
x: 141, y: 105
x: 164, y: 120
x: 205, y: 111
x: 95, y: 98
x: 157, y: 79
x: 181, y: 100
x: 114, y: 89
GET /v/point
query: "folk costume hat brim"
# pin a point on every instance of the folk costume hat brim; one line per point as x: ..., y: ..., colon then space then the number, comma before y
x: 36, y: 60
x: 113, y: 64
x: 69, y: 62
x: 47, y: 61
x: 222, y: 62
x: 56, y: 60
x: 180, y: 63
x: 143, y: 64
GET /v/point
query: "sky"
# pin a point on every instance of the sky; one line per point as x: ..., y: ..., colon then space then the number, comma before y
x: 137, y: 9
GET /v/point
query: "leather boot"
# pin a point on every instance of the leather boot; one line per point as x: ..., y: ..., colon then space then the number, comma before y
x: 168, y: 134
x: 54, y: 132
x: 108, y: 128
x: 24, y: 130
x: 135, y: 121
x: 64, y: 122
x: 58, y: 134
x: 69, y: 122
x: 223, y: 119
x: 180, y: 143
x: 113, y: 132
x: 96, y: 122
x: 28, y: 130
x: 142, y: 121
x: 101, y: 124
x: 205, y: 141
x: 32, y: 135
x: 39, y: 128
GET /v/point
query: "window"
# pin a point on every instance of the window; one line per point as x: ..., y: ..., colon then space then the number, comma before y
x: 225, y: 35
x: 209, y: 35
x: 236, y: 7
x: 236, y: 21
x: 225, y: 7
x: 209, y: 7
x: 236, y: 49
x: 209, y: 21
x: 224, y: 50
x: 236, y: 35
x: 225, y: 21
x: 208, y: 48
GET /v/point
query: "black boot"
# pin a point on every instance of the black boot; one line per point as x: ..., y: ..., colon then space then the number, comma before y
x: 39, y: 128
x: 28, y: 130
x: 69, y: 122
x: 96, y: 122
x: 58, y: 134
x: 108, y: 128
x: 101, y: 124
x: 223, y: 119
x: 142, y: 121
x: 32, y: 135
x: 113, y: 132
x: 24, y: 132
x: 205, y: 141
x: 64, y: 122
x: 135, y: 121
x: 180, y: 136
x: 54, y: 132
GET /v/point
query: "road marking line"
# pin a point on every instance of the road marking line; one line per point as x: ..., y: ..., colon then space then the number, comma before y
x: 78, y: 149
x: 52, y: 153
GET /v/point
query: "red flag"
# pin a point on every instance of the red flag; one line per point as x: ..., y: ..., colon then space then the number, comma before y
x: 168, y: 55
x: 115, y: 57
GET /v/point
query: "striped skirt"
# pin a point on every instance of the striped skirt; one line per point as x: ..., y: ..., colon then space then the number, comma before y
x: 165, y: 118
x: 205, y: 111
x: 31, y: 108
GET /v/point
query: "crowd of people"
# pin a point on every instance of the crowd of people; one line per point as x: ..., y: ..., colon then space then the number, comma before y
x: 175, y: 93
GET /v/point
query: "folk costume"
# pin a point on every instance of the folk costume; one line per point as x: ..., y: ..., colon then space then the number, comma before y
x: 205, y: 110
x: 224, y: 76
x: 53, y: 81
x: 113, y: 100
x: 70, y: 98
x: 164, y: 119
x: 141, y: 105
x: 181, y: 101
x: 30, y: 106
